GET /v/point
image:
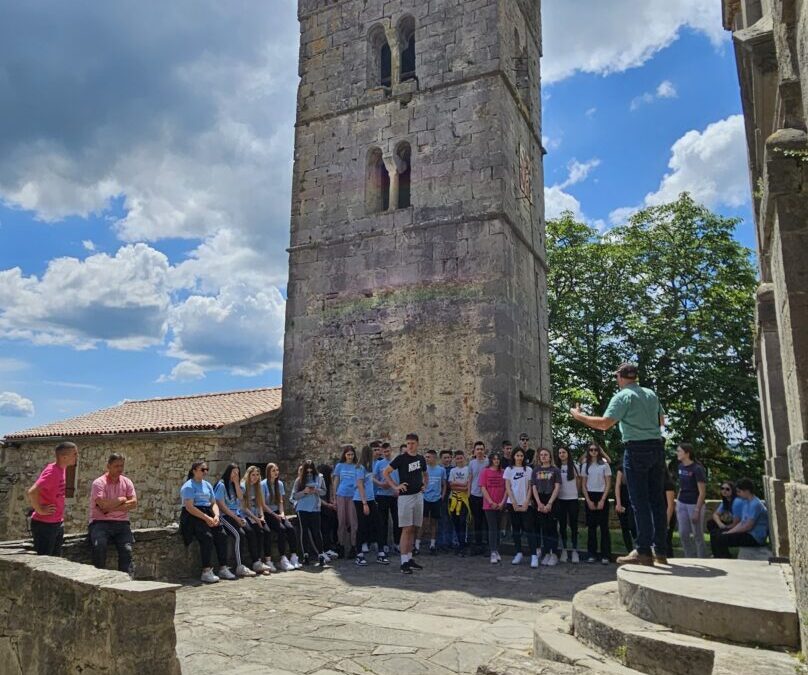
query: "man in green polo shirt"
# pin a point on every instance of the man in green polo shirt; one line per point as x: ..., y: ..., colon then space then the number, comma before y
x: 641, y: 416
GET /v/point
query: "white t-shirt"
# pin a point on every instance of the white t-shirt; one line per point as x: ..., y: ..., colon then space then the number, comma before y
x: 569, y: 488
x: 458, y: 475
x: 520, y: 482
x: 595, y: 475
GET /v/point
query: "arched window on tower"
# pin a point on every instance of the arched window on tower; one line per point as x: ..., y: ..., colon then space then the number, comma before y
x: 406, y: 42
x: 380, y: 59
x: 377, y: 190
x: 403, y: 164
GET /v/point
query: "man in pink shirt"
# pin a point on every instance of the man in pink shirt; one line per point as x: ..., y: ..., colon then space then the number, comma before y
x: 47, y: 498
x: 112, y: 497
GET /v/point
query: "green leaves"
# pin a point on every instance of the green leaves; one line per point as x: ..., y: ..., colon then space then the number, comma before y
x: 673, y: 290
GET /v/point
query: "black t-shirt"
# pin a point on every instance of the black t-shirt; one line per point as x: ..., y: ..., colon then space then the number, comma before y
x: 530, y: 453
x: 624, y: 496
x: 411, y: 469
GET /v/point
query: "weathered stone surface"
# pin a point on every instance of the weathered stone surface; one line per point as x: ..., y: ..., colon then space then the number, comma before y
x: 797, y: 507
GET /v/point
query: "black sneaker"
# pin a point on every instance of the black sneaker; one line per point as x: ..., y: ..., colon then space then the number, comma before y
x: 405, y: 568
x: 360, y: 560
x: 416, y: 551
x: 414, y: 565
x: 382, y: 559
x: 433, y: 550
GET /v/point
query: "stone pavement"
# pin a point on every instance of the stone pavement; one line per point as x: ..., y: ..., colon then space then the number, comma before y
x: 452, y: 617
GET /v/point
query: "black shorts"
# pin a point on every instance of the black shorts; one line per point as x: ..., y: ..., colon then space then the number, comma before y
x: 432, y: 509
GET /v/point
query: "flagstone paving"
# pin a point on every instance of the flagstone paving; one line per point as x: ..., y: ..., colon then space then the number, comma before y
x: 452, y: 617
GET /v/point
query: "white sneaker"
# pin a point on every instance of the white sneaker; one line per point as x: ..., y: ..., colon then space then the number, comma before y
x: 605, y: 561
x: 575, y: 557
x: 534, y: 561
x: 243, y: 571
x: 285, y: 565
x: 296, y: 562
x: 546, y: 560
x: 517, y: 559
x: 499, y: 557
x: 259, y: 567
x: 494, y: 559
x: 270, y: 566
x: 334, y: 555
x: 225, y: 573
x: 209, y: 577
x: 552, y: 560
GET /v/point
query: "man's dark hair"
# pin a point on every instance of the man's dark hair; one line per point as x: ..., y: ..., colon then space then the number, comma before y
x: 115, y: 457
x: 459, y: 452
x: 431, y: 452
x: 64, y: 447
x: 479, y: 443
x: 401, y: 447
x: 506, y: 442
x: 411, y: 437
x: 445, y: 452
x: 745, y: 484
x: 375, y: 444
x: 385, y: 445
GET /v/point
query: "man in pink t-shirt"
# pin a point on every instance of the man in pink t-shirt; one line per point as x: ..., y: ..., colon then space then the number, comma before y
x: 112, y: 497
x: 47, y: 498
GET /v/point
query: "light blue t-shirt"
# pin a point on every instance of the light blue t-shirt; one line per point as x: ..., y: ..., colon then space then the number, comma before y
x: 201, y: 492
x: 311, y: 502
x: 754, y: 510
x: 737, y: 508
x: 436, y: 475
x: 348, y: 474
x: 370, y: 495
x: 221, y: 494
x: 269, y: 499
x: 378, y: 472
x: 254, y: 508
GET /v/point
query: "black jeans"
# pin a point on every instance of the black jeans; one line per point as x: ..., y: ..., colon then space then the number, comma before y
x: 598, y: 520
x: 311, y: 535
x: 547, y: 527
x: 523, y: 521
x: 628, y: 526
x: 460, y: 522
x: 568, y: 515
x: 285, y: 532
x: 492, y: 518
x: 721, y: 543
x: 369, y: 530
x: 644, y: 469
x: 48, y: 537
x: 388, y: 508
x: 328, y: 527
x: 210, y: 538
x: 116, y: 532
x: 479, y: 517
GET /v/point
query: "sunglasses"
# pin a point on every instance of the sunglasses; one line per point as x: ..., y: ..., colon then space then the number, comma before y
x: 204, y: 469
x: 725, y: 488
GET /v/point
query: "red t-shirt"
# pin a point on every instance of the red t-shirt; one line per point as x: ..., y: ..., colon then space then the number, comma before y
x: 494, y: 482
x: 51, y: 484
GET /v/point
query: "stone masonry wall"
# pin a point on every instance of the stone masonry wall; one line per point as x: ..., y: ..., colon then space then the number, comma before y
x: 62, y: 617
x: 430, y: 318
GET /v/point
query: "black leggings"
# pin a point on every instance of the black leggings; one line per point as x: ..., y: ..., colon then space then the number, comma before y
x: 480, y: 518
x: 239, y: 533
x: 568, y: 515
x: 388, y: 508
x: 492, y: 517
x: 628, y: 526
x: 547, y: 527
x: 598, y: 520
x: 368, y: 530
x: 328, y: 527
x: 523, y: 521
x: 210, y: 538
x: 285, y: 532
x: 311, y: 532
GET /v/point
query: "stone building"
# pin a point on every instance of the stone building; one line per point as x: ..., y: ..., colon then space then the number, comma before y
x: 417, y: 293
x: 159, y: 438
x: 771, y: 46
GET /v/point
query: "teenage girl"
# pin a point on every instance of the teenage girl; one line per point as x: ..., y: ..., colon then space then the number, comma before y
x: 253, y: 497
x: 229, y: 498
x: 308, y: 490
x: 596, y: 480
x: 568, y: 502
x: 274, y: 492
x: 492, y: 486
x: 520, y: 506
x: 344, y: 484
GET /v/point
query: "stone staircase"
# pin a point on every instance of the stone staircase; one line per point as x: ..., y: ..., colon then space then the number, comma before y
x: 692, y: 617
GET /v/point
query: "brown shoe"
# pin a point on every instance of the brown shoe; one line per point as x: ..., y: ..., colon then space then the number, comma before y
x: 635, y: 558
x: 660, y: 560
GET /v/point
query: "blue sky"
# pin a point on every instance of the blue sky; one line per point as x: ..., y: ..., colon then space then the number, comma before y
x: 145, y: 180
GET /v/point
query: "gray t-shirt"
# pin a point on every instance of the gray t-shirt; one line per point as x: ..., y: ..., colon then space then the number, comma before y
x: 476, y: 466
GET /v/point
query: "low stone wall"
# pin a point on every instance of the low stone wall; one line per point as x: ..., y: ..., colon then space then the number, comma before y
x: 57, y: 616
x: 797, y: 507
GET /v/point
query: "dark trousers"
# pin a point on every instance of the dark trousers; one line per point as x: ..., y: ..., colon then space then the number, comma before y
x: 523, y: 522
x: 239, y: 534
x: 460, y: 521
x: 628, y: 526
x: 388, y: 508
x: 264, y: 537
x: 547, y: 527
x: 598, y: 520
x: 721, y: 543
x: 102, y: 533
x: 311, y: 535
x: 328, y: 527
x: 567, y: 510
x: 285, y: 532
x: 479, y: 518
x: 644, y: 469
x: 369, y: 530
x: 48, y: 537
x: 492, y: 518
x: 210, y: 538
x: 255, y: 542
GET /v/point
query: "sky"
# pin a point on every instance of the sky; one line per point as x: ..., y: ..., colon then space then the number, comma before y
x: 145, y: 176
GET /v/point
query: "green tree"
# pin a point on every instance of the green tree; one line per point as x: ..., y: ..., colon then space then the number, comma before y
x: 673, y: 290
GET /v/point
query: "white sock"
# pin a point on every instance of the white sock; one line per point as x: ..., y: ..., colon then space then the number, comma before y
x: 405, y: 557
x: 417, y: 543
x: 432, y: 543
x: 364, y: 548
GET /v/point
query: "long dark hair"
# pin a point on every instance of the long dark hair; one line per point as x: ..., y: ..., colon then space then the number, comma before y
x: 571, y: 470
x: 195, y: 466
x: 345, y: 450
x: 306, y: 468
x: 498, y: 455
x: 733, y: 493
x: 228, y: 484
x: 325, y: 472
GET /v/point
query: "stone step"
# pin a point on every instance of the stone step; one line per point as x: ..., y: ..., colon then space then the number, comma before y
x: 553, y: 641
x: 525, y: 665
x: 744, y: 601
x: 599, y: 620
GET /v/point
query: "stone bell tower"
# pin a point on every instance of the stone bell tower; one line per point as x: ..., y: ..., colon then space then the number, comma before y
x: 417, y: 292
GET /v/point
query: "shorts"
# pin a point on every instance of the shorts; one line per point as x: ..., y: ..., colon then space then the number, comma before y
x: 411, y: 510
x: 432, y: 509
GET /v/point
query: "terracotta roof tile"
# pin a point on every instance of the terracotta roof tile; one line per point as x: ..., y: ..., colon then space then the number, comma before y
x: 184, y: 413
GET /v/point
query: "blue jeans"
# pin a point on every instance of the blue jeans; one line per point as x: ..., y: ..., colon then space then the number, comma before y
x: 644, y: 467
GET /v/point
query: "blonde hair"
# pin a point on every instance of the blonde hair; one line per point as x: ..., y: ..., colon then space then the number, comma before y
x: 249, y: 487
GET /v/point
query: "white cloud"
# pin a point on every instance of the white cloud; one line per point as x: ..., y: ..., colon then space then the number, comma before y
x: 72, y: 385
x: 591, y: 112
x: 711, y: 165
x: 184, y: 371
x: 593, y: 36
x: 666, y: 89
x: 579, y: 171
x: 14, y: 405
x: 88, y: 245
x: 8, y: 365
x: 556, y: 201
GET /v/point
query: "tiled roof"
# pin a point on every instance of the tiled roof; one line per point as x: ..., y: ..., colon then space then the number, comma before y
x: 184, y: 413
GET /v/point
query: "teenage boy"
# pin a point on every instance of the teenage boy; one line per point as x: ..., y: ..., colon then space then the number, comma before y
x: 459, y: 480
x: 47, y: 498
x: 433, y: 498
x: 413, y: 479
x: 753, y: 528
x: 478, y: 462
x: 386, y: 497
x: 112, y: 497
x: 524, y: 443
x: 507, y: 451
x: 445, y: 529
